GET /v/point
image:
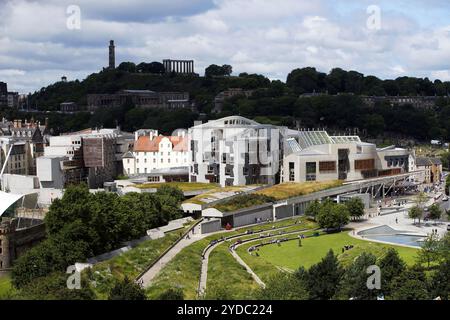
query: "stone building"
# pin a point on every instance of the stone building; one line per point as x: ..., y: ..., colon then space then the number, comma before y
x: 16, y: 239
x: 68, y: 107
x: 426, y: 102
x: 140, y: 98
x: 112, y: 55
x: 432, y: 167
x: 179, y: 66
x: 3, y: 94
x: 152, y: 152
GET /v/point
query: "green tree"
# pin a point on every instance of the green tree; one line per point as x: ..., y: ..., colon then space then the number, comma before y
x: 127, y: 290
x: 332, y: 216
x: 410, y: 285
x: 354, y: 281
x: 415, y: 213
x: 355, y: 207
x: 313, y: 209
x: 435, y: 212
x: 429, y: 251
x: 283, y: 286
x: 323, y: 278
x: 440, y: 281
x: 391, y: 266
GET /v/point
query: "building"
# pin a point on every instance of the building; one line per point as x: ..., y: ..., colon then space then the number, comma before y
x: 13, y: 100
x: 17, y: 235
x: 21, y: 143
x: 179, y: 66
x: 152, y: 151
x: 140, y: 98
x: 426, y: 102
x: 112, y: 55
x: 68, y: 107
x: 231, y: 92
x: 3, y: 94
x: 432, y: 167
x: 235, y: 151
x: 316, y: 156
x: 91, y: 156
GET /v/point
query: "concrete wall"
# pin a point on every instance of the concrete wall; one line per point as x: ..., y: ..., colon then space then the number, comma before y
x: 250, y: 216
x: 212, y: 225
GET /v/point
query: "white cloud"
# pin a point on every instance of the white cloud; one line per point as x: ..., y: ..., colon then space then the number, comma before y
x: 270, y: 37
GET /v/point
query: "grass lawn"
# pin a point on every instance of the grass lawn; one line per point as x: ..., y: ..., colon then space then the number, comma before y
x: 291, y: 189
x: 291, y: 256
x: 224, y: 272
x: 183, y: 186
x: 132, y: 262
x: 199, y: 199
x: 183, y: 270
x: 5, y: 284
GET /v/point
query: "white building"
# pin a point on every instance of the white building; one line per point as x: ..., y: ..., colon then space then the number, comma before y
x: 152, y: 151
x: 235, y: 151
x: 316, y: 156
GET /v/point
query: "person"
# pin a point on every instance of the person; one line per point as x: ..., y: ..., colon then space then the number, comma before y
x: 396, y: 220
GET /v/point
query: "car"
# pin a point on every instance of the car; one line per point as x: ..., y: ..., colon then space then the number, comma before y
x: 445, y: 198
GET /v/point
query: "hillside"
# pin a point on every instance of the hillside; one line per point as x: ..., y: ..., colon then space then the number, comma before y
x: 338, y: 107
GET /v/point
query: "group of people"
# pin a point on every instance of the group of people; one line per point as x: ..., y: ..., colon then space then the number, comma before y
x: 347, y: 247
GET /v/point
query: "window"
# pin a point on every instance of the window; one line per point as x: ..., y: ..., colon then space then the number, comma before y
x: 291, y: 171
x: 327, y: 166
x: 210, y: 169
x: 368, y: 164
x: 310, y: 171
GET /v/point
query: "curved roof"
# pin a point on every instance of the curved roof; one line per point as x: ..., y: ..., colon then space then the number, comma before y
x: 7, y: 200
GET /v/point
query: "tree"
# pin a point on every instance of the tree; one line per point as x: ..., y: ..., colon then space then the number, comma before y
x: 355, y: 207
x: 429, y: 251
x: 323, y: 278
x: 421, y: 199
x: 283, y: 286
x: 153, y: 67
x: 172, y: 294
x: 435, y: 212
x: 354, y: 281
x: 440, y: 281
x: 127, y: 67
x: 410, y: 285
x: 415, y: 213
x: 313, y: 209
x: 332, y: 216
x: 218, y: 71
x: 391, y: 266
x: 127, y: 290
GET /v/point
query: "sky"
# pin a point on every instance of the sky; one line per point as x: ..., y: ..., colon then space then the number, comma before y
x: 42, y: 40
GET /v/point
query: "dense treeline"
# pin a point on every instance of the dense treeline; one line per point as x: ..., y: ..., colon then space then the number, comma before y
x: 82, y: 225
x: 271, y: 102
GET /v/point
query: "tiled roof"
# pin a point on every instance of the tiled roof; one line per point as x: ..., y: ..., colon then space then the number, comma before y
x: 144, y: 144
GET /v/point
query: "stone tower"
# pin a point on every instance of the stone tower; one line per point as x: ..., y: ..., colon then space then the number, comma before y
x: 5, y: 234
x: 112, y: 55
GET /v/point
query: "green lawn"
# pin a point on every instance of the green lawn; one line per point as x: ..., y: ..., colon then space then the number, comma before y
x: 5, y: 284
x: 291, y: 256
x: 183, y: 186
x: 132, y: 262
x: 183, y: 271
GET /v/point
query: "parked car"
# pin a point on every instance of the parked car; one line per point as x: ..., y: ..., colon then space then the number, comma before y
x: 445, y: 198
